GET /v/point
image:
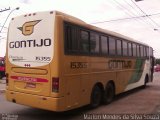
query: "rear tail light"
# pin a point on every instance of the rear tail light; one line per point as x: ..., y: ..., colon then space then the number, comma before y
x: 55, y: 84
x: 7, y: 79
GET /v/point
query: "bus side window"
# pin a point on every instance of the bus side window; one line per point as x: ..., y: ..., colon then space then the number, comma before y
x: 134, y: 49
x: 125, y: 50
x: 141, y: 51
x: 71, y: 41
x: 144, y: 50
x: 129, y: 49
x: 104, y: 45
x: 119, y: 47
x: 112, y: 46
x: 84, y: 41
x: 147, y: 51
x: 151, y: 51
x: 138, y: 51
x: 94, y: 42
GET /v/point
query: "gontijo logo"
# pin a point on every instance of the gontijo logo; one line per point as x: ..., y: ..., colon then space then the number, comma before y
x: 28, y: 27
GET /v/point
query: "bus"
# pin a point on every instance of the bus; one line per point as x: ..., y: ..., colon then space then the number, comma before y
x: 2, y: 67
x: 57, y: 62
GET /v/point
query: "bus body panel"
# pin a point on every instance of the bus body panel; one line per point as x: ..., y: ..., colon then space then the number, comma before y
x: 30, y: 83
x: 48, y: 103
x: 139, y: 76
x: 30, y: 52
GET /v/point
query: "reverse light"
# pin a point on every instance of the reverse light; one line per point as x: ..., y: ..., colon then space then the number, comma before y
x: 55, y: 84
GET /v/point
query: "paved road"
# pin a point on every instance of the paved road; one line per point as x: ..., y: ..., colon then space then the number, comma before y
x: 2, y: 85
x: 138, y: 101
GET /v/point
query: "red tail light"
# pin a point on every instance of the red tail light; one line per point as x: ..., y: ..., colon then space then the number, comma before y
x: 55, y: 84
x: 7, y: 79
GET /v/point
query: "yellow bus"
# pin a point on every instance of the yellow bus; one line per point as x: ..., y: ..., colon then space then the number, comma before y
x: 57, y: 62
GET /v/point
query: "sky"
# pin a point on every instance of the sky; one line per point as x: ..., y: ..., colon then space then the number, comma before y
x: 105, y: 14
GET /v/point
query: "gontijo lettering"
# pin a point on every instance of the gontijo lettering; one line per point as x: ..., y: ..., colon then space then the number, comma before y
x: 30, y: 43
x: 119, y: 64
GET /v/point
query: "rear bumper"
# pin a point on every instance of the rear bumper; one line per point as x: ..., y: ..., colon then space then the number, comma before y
x: 42, y: 102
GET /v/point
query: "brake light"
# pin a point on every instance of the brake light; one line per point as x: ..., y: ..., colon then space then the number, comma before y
x: 55, y: 84
x: 7, y: 79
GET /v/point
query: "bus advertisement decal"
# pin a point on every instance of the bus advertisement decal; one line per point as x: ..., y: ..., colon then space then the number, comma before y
x: 28, y: 79
x: 139, y: 66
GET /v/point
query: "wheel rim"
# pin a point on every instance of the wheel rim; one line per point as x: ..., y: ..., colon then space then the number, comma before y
x: 96, y: 97
x: 109, y: 93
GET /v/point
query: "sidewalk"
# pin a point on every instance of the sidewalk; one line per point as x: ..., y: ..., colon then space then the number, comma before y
x: 2, y: 85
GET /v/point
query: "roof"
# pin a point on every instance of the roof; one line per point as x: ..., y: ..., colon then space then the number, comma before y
x: 112, y: 33
x: 81, y: 22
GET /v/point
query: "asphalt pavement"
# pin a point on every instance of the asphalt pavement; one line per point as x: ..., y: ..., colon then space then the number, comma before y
x: 2, y: 85
x: 137, y: 104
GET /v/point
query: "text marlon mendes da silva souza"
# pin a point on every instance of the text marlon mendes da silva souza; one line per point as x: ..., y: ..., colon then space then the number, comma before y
x: 121, y: 117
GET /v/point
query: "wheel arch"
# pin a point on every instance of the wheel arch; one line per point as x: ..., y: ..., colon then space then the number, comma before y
x: 100, y: 85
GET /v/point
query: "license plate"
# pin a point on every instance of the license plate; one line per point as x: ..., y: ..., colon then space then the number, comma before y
x: 30, y: 85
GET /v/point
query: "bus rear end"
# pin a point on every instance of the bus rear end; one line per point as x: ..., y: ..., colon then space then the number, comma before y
x: 30, y: 54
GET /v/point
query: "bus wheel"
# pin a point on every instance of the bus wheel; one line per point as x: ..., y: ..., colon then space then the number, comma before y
x: 96, y: 96
x: 109, y: 93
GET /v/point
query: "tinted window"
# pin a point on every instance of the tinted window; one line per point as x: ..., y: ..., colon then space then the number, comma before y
x: 81, y: 40
x: 129, y: 49
x: 151, y: 51
x: 145, y: 53
x: 70, y: 38
x: 134, y: 50
x: 125, y: 52
x: 138, y: 50
x: 119, y: 47
x: 141, y: 51
x: 84, y: 41
x: 112, y: 50
x: 94, y: 43
x: 104, y: 45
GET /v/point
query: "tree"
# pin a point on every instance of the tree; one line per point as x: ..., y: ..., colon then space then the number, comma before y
x: 157, y: 60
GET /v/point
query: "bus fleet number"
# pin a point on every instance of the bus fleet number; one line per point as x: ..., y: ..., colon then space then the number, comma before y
x: 38, y: 58
x: 75, y: 65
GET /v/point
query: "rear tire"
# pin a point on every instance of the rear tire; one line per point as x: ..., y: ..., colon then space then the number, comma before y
x: 96, y: 96
x: 109, y: 93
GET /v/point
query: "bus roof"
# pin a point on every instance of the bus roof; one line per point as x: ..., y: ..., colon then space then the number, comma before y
x: 94, y: 28
x: 74, y: 19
